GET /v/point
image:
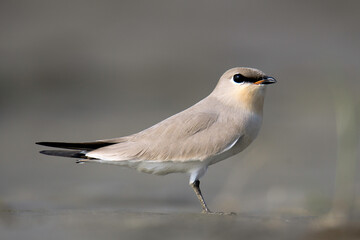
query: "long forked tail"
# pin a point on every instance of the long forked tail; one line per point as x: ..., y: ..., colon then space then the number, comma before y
x: 78, y: 149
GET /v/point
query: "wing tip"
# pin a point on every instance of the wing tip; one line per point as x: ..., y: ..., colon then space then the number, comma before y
x: 77, y: 145
x: 48, y: 144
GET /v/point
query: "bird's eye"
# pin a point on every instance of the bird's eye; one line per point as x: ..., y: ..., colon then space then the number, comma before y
x: 238, y: 78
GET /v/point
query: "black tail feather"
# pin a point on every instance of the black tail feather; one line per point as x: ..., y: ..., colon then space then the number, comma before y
x: 88, y: 146
x: 64, y: 153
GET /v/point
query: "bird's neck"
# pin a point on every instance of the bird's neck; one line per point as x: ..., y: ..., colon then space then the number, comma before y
x: 252, y: 100
x: 249, y: 99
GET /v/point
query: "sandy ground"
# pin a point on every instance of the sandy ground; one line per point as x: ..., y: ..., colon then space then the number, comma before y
x: 118, y: 224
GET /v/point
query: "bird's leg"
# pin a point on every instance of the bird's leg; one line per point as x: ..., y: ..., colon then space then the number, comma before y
x: 196, y: 186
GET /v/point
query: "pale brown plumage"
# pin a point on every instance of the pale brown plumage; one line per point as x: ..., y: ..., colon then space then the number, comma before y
x: 217, y: 127
x: 197, y: 133
x: 188, y: 135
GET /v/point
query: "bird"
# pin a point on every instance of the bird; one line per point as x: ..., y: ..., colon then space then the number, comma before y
x: 219, y: 126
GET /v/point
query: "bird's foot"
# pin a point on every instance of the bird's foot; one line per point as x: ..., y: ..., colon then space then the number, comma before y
x: 218, y: 213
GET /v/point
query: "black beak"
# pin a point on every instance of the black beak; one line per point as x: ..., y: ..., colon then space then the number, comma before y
x: 268, y: 80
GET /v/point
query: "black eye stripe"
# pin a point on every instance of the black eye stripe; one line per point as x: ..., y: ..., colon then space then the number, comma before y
x: 239, y: 78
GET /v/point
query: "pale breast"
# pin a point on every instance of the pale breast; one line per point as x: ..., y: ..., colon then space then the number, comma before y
x: 250, y: 126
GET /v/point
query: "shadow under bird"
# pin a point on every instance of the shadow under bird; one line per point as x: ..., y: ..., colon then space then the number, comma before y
x: 218, y: 127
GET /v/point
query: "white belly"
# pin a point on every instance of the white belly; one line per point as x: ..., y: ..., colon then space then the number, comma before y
x: 159, y: 167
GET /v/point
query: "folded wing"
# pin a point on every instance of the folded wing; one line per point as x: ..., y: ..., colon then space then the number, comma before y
x: 184, y: 136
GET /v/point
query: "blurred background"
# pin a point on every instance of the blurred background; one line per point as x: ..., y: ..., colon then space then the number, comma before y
x: 86, y: 70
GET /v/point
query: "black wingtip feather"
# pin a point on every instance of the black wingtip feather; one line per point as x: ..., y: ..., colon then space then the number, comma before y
x: 64, y: 153
x: 76, y: 146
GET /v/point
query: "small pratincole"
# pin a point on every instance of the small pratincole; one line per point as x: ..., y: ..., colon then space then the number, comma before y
x: 219, y: 126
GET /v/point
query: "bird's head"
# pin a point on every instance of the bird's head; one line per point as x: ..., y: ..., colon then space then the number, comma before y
x: 243, y: 87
